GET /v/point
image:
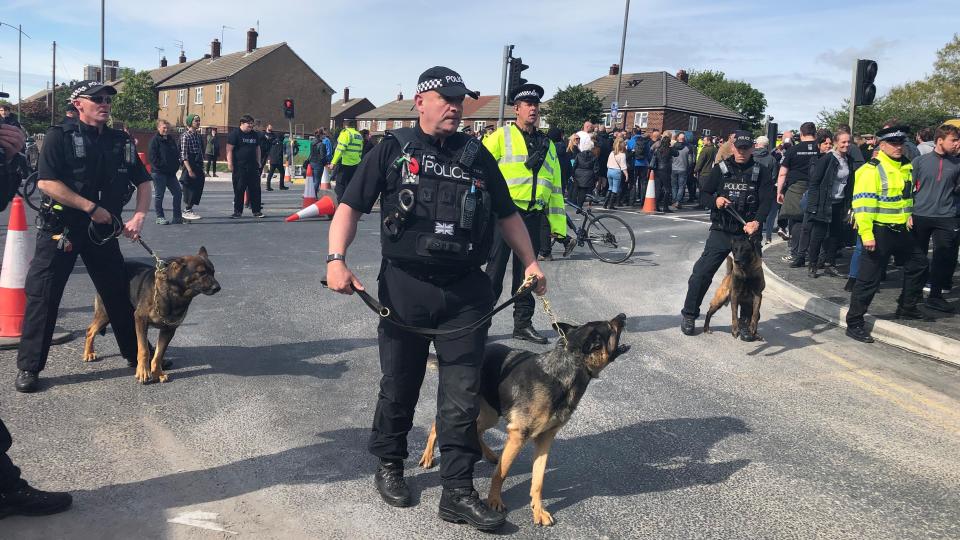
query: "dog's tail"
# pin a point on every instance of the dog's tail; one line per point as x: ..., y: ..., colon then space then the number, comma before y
x: 729, y: 264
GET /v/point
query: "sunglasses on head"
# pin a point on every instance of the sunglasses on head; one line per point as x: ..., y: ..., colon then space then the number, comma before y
x: 99, y: 99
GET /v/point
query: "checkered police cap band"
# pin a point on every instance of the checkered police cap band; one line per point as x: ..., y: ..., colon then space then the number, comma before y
x: 893, y: 135
x: 527, y: 93
x: 428, y: 85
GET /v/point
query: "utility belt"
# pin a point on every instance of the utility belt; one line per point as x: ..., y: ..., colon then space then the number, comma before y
x: 893, y: 227
x: 437, y: 275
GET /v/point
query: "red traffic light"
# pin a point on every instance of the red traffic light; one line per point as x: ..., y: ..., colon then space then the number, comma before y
x: 288, y: 108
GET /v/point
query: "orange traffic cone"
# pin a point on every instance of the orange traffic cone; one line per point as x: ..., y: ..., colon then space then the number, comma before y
x: 309, y: 172
x: 286, y: 172
x: 325, y: 179
x: 309, y: 194
x: 13, y: 276
x: 323, y: 207
x: 650, y: 199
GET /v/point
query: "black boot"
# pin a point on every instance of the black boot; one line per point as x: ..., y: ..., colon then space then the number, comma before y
x: 613, y: 201
x: 391, y: 485
x: 910, y: 313
x: 27, y: 381
x: 528, y: 333
x: 688, y: 326
x: 860, y: 334
x: 606, y: 201
x: 799, y: 262
x: 27, y: 501
x: 812, y: 271
x: 463, y: 505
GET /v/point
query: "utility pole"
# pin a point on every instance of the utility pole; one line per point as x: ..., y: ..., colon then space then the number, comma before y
x: 507, y: 51
x: 103, y: 18
x: 853, y: 95
x: 19, y: 28
x: 53, y: 94
x: 623, y: 44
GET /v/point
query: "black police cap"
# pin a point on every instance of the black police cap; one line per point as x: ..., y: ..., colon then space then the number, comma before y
x: 894, y: 134
x: 527, y: 92
x: 92, y: 88
x: 742, y: 139
x: 445, y: 82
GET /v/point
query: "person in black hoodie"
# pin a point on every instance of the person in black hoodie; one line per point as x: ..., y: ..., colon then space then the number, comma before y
x: 828, y: 200
x: 586, y: 168
x: 163, y: 154
x: 663, y: 154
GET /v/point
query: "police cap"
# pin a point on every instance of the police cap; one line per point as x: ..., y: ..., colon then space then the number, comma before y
x: 529, y: 92
x: 445, y: 82
x: 92, y: 88
x: 742, y: 139
x: 894, y: 134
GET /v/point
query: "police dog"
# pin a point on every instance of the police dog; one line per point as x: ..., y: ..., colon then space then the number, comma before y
x: 160, y: 299
x: 536, y: 394
x: 742, y: 286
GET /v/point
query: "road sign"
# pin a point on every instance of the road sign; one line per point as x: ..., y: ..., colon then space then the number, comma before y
x: 613, y: 109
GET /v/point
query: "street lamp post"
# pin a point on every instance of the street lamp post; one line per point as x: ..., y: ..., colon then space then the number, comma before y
x: 623, y: 44
x: 19, y: 29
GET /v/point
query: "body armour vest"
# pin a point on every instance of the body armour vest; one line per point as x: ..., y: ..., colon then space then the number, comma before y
x: 111, y: 192
x: 742, y: 189
x: 437, y: 210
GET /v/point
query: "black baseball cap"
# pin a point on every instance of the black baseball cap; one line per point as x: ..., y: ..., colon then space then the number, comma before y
x: 444, y: 81
x: 742, y: 139
x: 92, y: 88
x: 530, y: 92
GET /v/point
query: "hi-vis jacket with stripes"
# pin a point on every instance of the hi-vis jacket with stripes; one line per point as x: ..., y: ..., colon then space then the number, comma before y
x: 882, y: 194
x: 349, y: 147
x: 510, y: 150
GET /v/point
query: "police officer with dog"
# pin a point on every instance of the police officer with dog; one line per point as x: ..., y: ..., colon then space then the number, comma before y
x: 87, y: 173
x: 441, y: 196
x: 739, y: 193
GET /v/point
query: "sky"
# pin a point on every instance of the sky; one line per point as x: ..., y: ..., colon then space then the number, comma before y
x: 800, y: 56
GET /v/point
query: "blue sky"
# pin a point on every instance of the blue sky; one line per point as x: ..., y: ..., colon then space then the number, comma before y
x: 799, y: 55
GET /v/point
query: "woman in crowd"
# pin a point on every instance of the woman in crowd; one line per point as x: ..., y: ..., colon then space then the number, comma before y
x: 573, y: 148
x: 828, y: 200
x: 586, y: 168
x: 616, y: 172
x: 663, y: 155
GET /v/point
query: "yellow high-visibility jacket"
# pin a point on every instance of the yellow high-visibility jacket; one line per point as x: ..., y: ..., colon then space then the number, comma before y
x: 882, y: 193
x: 349, y: 147
x: 510, y: 150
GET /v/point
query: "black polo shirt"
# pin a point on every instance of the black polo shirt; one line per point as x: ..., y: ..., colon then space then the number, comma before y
x: 797, y: 160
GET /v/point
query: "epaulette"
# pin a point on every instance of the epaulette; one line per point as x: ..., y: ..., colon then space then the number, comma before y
x: 873, y: 161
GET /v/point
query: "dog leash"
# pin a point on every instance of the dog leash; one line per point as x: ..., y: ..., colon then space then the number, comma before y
x: 384, y: 312
x: 735, y: 215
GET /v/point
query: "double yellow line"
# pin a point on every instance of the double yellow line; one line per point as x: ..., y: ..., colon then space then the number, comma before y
x: 931, y: 410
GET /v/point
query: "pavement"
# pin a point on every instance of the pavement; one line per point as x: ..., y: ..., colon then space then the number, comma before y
x: 261, y: 432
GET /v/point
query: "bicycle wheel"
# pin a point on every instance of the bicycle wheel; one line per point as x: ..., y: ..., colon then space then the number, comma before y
x: 610, y: 239
x: 27, y: 190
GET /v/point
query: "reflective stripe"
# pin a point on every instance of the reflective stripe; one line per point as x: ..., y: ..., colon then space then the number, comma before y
x: 558, y: 211
x: 546, y: 165
x: 884, y: 185
x: 507, y: 145
x: 879, y: 210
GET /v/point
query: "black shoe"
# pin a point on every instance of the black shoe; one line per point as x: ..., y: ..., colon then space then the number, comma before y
x: 667, y: 210
x: 235, y: 215
x: 860, y: 334
x: 284, y: 188
x: 258, y: 215
x: 28, y: 501
x: 910, y: 313
x: 939, y: 304
x: 798, y: 262
x: 463, y: 505
x: 27, y: 381
x: 830, y: 270
x: 391, y: 485
x: 849, y: 285
x: 688, y: 326
x: 269, y: 188
x: 528, y: 333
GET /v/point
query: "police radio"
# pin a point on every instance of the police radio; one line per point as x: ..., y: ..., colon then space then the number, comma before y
x: 79, y: 151
x: 468, y: 208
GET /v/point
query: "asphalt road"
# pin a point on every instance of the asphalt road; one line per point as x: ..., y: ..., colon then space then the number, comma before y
x: 261, y: 430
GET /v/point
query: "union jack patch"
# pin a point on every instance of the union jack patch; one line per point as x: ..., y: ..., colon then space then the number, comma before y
x: 440, y: 227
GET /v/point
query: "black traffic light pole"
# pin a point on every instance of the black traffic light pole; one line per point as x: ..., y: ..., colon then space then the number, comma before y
x: 853, y: 95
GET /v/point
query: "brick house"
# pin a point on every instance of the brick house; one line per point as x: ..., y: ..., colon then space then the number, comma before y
x: 658, y: 100
x: 348, y: 109
x: 223, y: 88
x: 393, y: 115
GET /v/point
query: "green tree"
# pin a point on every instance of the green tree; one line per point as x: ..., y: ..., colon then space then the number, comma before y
x: 570, y: 107
x: 136, y: 105
x: 737, y: 95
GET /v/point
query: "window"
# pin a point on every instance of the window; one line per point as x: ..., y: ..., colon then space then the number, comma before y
x: 706, y: 132
x: 397, y: 124
x: 693, y: 124
x: 381, y: 125
x: 607, y: 122
x: 198, y: 96
x: 219, y: 96
x: 182, y: 96
x: 479, y: 125
x: 640, y: 119
x: 413, y: 123
x: 364, y: 124
x: 331, y: 124
x: 164, y: 99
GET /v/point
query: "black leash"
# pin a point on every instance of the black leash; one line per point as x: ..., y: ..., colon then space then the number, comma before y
x: 735, y: 215
x: 116, y: 231
x: 385, y: 313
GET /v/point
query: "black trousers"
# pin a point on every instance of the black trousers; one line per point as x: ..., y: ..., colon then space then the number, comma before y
x: 442, y: 304
x: 9, y: 473
x: 664, y: 196
x: 211, y: 168
x: 639, y: 181
x: 692, y: 187
x: 46, y: 279
x: 497, y: 267
x: 546, y: 240
x: 192, y: 187
x: 275, y: 167
x: 900, y: 244
x: 344, y: 173
x: 943, y: 232
x: 246, y: 179
x: 799, y: 236
x: 715, y: 251
x: 578, y: 195
x: 826, y: 236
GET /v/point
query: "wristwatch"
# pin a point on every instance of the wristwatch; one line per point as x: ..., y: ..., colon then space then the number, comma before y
x: 336, y: 257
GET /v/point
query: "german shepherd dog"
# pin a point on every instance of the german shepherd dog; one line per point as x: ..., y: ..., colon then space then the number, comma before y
x: 537, y: 394
x: 742, y: 286
x: 159, y: 300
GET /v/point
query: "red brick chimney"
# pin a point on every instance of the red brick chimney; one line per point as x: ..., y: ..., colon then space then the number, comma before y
x: 346, y: 94
x: 163, y: 62
x: 615, y: 69
x: 683, y: 76
x: 183, y: 57
x: 215, y: 48
x: 251, y: 40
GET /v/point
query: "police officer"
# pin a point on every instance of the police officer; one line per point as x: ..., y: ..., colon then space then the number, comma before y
x: 346, y: 156
x: 87, y: 173
x: 747, y: 187
x: 882, y: 206
x: 528, y: 161
x: 441, y: 195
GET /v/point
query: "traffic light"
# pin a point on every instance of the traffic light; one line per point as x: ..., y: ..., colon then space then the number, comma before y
x: 516, y: 68
x: 288, y: 108
x: 864, y: 89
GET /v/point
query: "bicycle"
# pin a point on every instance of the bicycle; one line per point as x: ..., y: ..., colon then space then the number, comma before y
x: 609, y: 237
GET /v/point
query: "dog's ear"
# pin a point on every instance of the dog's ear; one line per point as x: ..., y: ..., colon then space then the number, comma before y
x: 585, y: 339
x: 203, y: 252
